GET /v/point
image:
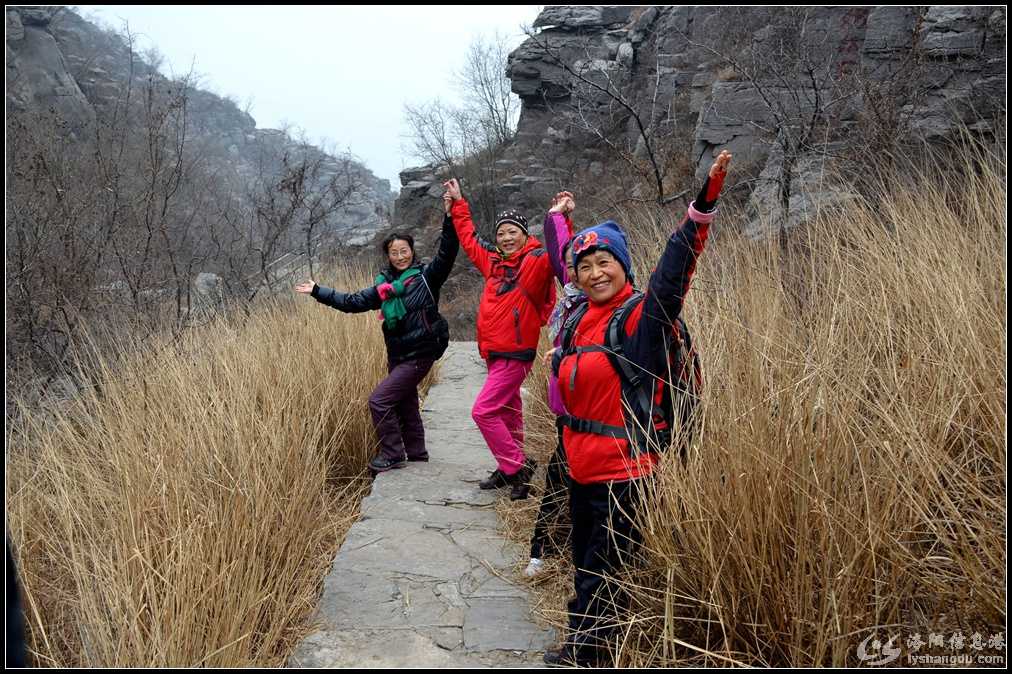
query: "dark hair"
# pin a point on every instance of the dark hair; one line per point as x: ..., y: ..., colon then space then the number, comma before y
x: 394, y: 237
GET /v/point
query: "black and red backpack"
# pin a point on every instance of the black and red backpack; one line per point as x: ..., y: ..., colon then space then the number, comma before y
x: 656, y: 411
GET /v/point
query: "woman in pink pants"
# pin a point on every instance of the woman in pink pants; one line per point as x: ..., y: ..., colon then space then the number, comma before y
x: 517, y: 300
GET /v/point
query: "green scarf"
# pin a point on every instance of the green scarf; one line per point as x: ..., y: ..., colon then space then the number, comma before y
x: 393, y: 308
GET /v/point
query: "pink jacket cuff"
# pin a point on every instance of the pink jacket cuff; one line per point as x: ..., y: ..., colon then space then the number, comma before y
x: 699, y: 216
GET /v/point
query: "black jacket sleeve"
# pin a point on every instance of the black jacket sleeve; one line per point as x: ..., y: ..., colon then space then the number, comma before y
x: 367, y: 299
x: 437, y: 271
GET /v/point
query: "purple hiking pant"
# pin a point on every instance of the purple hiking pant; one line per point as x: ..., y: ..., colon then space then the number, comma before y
x: 498, y: 412
x: 394, y: 406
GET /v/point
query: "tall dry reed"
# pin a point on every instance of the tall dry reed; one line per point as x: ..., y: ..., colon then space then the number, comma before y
x: 185, y: 512
x: 849, y: 477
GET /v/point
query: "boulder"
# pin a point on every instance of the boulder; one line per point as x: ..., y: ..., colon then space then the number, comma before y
x: 625, y: 55
x: 575, y: 17
x: 14, y: 29
x: 39, y: 79
x: 954, y: 31
x: 814, y: 189
x: 207, y: 284
x: 657, y: 59
x: 890, y: 29
x: 38, y: 17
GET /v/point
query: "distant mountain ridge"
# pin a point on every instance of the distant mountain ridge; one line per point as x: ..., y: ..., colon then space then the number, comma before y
x: 57, y: 60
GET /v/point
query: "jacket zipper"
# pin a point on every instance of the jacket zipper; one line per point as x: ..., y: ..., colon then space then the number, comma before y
x: 516, y: 324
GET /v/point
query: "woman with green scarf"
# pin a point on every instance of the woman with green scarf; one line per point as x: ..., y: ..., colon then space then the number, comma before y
x: 407, y: 295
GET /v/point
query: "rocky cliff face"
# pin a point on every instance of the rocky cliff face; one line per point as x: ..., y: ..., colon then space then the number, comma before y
x: 661, y: 61
x: 58, y: 61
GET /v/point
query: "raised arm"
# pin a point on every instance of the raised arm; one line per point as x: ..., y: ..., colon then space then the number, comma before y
x: 479, y: 250
x: 671, y: 279
x: 558, y: 231
x: 437, y: 271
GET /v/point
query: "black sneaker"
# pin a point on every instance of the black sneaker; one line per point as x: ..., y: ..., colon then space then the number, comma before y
x: 495, y: 480
x: 381, y: 463
x: 521, y: 480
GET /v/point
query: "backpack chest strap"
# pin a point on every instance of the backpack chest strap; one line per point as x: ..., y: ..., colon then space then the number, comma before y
x: 579, y: 351
x: 590, y: 426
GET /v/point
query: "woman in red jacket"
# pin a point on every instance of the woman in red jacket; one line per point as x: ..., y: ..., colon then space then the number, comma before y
x: 519, y: 294
x: 608, y: 457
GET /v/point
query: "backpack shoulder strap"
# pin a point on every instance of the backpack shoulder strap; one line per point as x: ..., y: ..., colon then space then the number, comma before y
x: 637, y: 392
x: 567, y: 333
x: 569, y: 327
x: 615, y: 339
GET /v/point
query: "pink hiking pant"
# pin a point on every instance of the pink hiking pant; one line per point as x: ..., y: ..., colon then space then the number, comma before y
x: 498, y: 412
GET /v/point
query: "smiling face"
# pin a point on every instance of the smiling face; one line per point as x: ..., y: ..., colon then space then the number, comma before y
x: 510, y: 238
x: 600, y: 275
x: 400, y: 255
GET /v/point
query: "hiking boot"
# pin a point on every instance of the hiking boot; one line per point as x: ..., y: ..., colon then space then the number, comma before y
x: 521, y: 480
x: 495, y: 480
x: 566, y: 656
x: 381, y: 464
x: 420, y: 457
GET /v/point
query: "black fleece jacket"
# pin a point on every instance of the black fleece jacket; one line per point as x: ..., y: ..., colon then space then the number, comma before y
x: 423, y: 332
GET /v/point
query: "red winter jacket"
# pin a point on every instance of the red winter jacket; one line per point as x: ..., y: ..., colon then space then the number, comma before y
x: 518, y: 296
x: 594, y: 391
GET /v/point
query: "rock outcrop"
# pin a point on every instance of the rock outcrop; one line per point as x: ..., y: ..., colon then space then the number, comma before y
x: 38, y: 74
x: 940, y: 68
x: 660, y: 60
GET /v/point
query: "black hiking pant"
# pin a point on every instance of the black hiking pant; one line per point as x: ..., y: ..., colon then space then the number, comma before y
x: 552, y: 528
x: 604, y: 540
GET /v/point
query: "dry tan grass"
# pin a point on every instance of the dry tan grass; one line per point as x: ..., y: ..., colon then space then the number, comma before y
x: 850, y: 475
x: 186, y: 512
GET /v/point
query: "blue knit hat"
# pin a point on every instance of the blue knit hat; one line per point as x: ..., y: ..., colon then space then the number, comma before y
x: 606, y: 236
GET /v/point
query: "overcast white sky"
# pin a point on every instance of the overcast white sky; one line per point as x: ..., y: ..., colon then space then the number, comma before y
x: 343, y: 74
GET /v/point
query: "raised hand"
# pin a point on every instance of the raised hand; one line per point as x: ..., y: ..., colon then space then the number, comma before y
x: 556, y: 206
x: 547, y: 358
x: 569, y: 201
x: 306, y: 288
x: 719, y: 168
x: 447, y: 202
x: 563, y: 202
x: 453, y: 188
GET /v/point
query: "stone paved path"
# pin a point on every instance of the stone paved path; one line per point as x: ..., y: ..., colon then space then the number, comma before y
x: 424, y: 579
